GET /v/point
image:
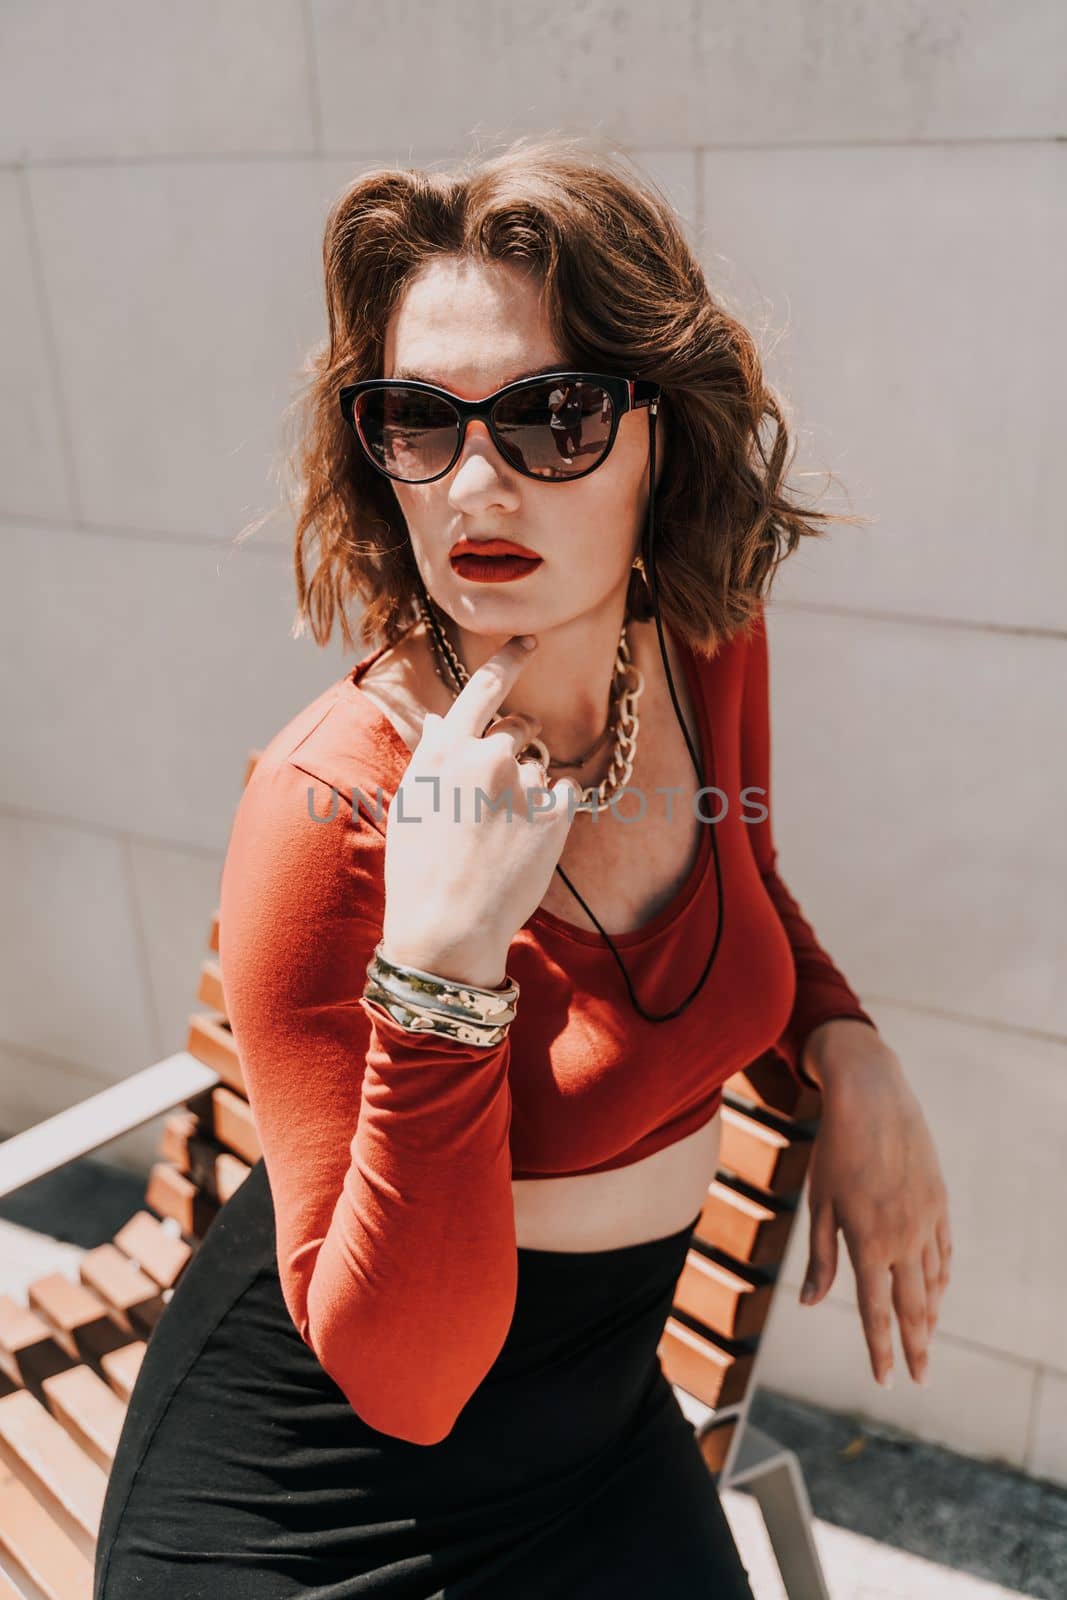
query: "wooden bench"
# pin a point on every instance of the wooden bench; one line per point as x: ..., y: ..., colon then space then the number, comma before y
x: 70, y: 1353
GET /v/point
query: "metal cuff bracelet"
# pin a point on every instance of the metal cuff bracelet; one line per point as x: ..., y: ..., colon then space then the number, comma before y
x: 425, y: 1002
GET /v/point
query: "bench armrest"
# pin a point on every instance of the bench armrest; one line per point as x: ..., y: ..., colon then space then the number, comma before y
x: 103, y: 1117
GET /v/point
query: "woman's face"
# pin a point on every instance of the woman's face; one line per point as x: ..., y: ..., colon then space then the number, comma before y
x: 472, y: 327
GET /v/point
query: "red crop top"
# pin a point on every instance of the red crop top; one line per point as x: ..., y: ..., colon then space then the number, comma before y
x: 390, y: 1155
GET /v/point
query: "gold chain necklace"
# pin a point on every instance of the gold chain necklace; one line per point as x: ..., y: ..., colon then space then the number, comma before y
x: 628, y: 683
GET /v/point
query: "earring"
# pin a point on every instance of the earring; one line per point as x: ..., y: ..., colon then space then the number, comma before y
x: 639, y: 593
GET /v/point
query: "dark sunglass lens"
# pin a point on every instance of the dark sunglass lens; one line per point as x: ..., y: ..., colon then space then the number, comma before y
x: 411, y: 435
x: 555, y: 429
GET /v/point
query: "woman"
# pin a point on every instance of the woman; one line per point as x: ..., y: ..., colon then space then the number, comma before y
x: 416, y: 1352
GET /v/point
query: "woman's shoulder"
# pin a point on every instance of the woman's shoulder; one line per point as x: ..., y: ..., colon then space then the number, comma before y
x: 344, y: 745
x: 305, y: 855
x: 719, y: 663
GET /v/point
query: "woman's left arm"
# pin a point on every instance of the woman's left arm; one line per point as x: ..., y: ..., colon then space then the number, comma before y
x: 874, y: 1171
x: 874, y: 1174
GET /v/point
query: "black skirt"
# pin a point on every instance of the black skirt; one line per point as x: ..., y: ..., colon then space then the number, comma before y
x: 243, y: 1473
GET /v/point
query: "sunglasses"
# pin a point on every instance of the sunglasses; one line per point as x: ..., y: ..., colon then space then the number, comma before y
x: 554, y: 427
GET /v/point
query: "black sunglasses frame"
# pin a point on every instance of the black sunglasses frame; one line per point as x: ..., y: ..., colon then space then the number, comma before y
x: 627, y: 394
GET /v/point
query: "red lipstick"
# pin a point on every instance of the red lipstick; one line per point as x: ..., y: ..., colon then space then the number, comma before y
x: 492, y: 560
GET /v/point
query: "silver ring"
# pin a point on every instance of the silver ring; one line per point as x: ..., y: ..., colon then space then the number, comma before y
x: 538, y: 761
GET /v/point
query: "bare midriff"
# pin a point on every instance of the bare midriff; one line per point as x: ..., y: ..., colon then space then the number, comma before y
x: 649, y: 1199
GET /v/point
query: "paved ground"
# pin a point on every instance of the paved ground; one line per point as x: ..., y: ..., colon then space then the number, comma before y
x: 896, y: 1519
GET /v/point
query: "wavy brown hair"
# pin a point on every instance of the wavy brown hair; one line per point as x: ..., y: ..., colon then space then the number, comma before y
x: 624, y: 294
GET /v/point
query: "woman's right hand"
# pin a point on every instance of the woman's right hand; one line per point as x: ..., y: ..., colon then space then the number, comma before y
x: 459, y: 883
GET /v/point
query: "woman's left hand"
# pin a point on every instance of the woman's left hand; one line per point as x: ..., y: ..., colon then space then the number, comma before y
x: 874, y: 1173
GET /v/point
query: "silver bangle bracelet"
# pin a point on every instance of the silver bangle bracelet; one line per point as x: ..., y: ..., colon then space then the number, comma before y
x: 425, y: 1002
x: 414, y: 987
x: 424, y: 1019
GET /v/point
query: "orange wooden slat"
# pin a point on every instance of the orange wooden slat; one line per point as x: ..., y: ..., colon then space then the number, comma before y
x: 29, y: 1349
x: 133, y: 1299
x: 89, y: 1409
x: 233, y: 1124
x: 215, y: 1172
x: 744, y: 1227
x: 703, y: 1366
x: 156, y: 1251
x: 721, y: 1297
x: 120, y: 1367
x: 38, y: 1546
x: 201, y: 1164
x: 42, y: 1454
x: 230, y: 1173
x: 209, y: 992
x: 178, y: 1129
x: 172, y: 1195
x: 766, y: 1157
x: 210, y: 1041
x: 78, y: 1318
x: 226, y: 1117
x: 715, y: 1442
x: 218, y: 1173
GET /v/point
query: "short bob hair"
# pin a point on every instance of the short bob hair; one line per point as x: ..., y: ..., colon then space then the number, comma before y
x: 624, y: 294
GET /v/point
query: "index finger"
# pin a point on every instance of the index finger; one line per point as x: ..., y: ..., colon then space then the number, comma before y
x: 481, y: 695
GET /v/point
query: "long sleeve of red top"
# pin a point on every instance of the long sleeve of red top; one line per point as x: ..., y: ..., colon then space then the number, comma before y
x: 389, y: 1154
x: 822, y: 992
x: 396, y: 1246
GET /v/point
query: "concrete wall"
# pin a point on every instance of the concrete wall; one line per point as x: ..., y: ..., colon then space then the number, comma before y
x: 876, y: 189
